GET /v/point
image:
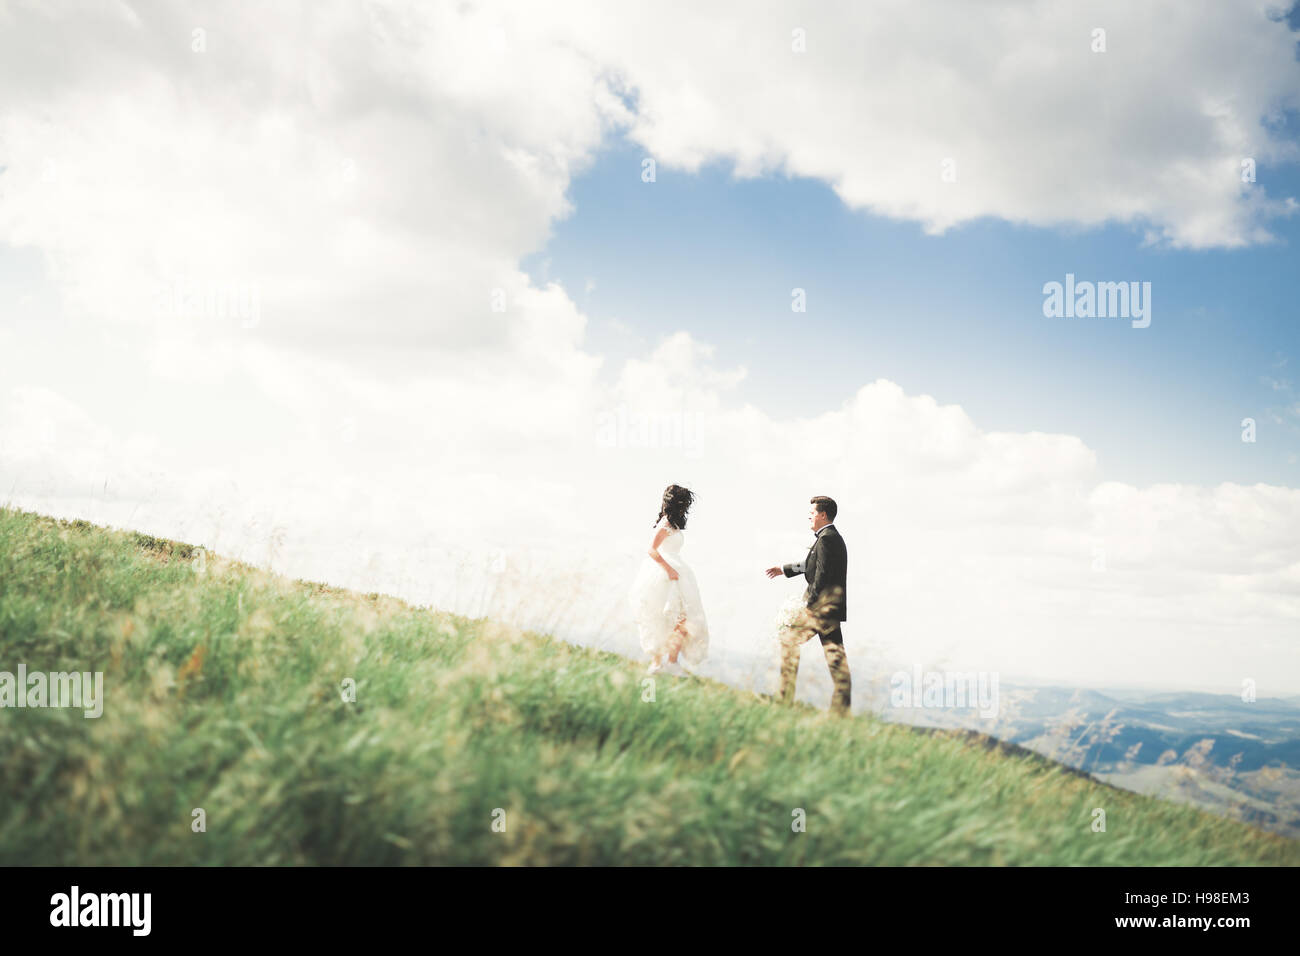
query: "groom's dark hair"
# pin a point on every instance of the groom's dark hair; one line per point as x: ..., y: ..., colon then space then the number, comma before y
x: 825, y: 505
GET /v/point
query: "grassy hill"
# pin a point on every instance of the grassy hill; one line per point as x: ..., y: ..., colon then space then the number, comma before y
x: 222, y: 692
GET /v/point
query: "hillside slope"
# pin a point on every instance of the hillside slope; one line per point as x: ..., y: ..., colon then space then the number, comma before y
x: 222, y: 692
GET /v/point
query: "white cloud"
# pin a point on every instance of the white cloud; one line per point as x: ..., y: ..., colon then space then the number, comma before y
x: 1152, y: 132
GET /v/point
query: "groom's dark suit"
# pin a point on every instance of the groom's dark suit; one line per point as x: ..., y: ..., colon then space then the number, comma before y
x: 826, y: 571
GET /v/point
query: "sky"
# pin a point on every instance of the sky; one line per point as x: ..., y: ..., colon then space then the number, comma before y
x: 435, y: 299
x: 956, y: 316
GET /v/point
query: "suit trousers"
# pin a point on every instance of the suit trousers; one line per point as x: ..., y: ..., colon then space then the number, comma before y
x: 836, y: 661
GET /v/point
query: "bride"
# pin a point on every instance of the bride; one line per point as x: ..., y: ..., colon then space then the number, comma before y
x: 665, y: 598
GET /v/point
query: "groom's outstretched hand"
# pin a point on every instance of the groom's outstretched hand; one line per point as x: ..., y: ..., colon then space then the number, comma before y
x: 774, y: 572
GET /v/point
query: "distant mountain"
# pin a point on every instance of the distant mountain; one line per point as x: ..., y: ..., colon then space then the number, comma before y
x: 1213, y: 750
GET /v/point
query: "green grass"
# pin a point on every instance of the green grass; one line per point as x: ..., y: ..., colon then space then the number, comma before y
x: 222, y: 687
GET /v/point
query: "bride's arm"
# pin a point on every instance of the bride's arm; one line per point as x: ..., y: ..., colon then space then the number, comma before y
x: 660, y: 534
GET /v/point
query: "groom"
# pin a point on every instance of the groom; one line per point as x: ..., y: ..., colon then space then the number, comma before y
x: 825, y: 569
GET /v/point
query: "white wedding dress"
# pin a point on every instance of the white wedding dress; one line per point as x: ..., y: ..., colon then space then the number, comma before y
x: 658, y: 604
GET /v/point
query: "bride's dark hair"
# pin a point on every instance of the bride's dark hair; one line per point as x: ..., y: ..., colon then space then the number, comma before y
x: 676, y: 502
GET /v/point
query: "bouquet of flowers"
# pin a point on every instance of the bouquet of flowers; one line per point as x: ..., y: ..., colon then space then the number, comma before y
x: 792, y: 613
x: 789, y: 618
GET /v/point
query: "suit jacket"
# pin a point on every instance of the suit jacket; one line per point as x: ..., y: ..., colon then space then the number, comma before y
x: 826, y: 570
